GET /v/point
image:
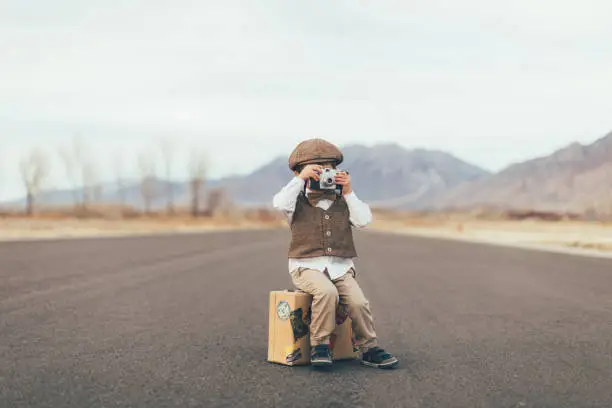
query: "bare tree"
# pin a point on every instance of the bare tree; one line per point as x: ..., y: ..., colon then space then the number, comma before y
x: 197, y: 178
x: 82, y: 171
x: 89, y: 175
x: 118, y: 166
x: 34, y: 170
x: 216, y: 198
x: 67, y: 156
x: 168, y: 149
x: 148, y: 180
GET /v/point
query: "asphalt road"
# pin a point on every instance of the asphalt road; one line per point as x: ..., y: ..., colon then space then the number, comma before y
x: 182, y: 321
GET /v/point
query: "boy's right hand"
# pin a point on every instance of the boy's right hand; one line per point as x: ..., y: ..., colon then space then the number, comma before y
x: 310, y: 171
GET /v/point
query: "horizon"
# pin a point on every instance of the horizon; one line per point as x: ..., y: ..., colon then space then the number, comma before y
x: 246, y: 82
x: 161, y: 177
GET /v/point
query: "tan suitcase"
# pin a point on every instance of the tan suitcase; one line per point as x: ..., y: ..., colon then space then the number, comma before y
x: 288, y: 331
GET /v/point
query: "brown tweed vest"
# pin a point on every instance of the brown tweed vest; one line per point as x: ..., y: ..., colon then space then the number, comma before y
x: 317, y: 232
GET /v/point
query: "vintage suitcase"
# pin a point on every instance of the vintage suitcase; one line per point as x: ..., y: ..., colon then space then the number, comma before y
x: 288, y: 331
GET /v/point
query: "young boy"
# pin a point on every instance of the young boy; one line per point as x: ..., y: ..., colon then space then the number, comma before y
x: 321, y: 251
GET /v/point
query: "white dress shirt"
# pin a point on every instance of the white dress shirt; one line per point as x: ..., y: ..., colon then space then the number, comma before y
x: 360, y: 216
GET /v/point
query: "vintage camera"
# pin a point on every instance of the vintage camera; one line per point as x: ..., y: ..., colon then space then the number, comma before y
x: 327, y: 180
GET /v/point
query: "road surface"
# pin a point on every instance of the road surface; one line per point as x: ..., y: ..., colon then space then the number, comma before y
x: 182, y: 321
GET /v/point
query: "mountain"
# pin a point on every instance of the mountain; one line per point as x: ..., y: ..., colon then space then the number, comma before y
x: 384, y: 175
x: 577, y: 178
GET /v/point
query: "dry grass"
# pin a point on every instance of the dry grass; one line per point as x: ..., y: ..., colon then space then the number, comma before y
x: 500, y: 228
x: 478, y: 225
x: 117, y: 220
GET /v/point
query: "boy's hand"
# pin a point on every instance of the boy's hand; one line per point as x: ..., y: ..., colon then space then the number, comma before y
x: 310, y: 171
x: 344, y: 179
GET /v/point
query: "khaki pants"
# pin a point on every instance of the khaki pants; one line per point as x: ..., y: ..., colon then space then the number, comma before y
x: 327, y: 295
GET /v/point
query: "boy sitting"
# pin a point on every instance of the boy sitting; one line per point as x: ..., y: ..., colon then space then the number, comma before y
x: 321, y: 251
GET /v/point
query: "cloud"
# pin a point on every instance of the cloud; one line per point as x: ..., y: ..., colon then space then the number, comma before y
x: 248, y: 80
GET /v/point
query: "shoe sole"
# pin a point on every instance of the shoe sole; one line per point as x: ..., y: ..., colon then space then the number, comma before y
x: 321, y: 363
x: 384, y: 366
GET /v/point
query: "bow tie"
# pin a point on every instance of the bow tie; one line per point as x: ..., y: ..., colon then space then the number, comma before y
x: 317, y: 195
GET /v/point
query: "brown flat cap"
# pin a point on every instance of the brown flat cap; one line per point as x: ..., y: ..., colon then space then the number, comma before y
x: 314, y: 150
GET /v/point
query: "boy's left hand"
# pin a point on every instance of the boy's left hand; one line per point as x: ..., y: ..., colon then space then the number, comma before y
x: 344, y: 179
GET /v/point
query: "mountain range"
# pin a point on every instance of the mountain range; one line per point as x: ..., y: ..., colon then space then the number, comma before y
x: 382, y: 175
x: 577, y: 178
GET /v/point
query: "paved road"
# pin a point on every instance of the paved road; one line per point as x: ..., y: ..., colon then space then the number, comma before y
x: 182, y: 321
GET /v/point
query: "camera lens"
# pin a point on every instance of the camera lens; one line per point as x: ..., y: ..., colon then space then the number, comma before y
x: 329, y: 181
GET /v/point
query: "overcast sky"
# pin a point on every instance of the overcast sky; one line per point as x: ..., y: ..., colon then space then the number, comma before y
x: 247, y: 80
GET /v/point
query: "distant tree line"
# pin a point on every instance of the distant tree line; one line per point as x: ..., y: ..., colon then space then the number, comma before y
x: 83, y: 173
